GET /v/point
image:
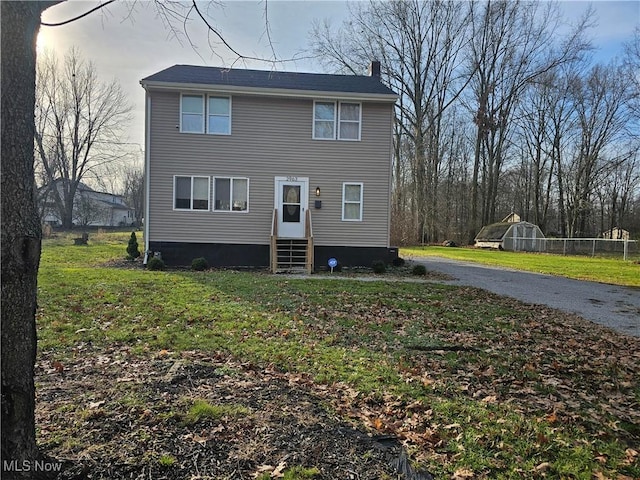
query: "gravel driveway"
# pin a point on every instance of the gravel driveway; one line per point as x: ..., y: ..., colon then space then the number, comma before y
x: 610, y: 305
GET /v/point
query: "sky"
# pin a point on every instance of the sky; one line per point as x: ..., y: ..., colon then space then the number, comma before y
x: 129, y: 41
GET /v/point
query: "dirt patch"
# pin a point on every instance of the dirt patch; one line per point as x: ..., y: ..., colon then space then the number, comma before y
x: 109, y: 414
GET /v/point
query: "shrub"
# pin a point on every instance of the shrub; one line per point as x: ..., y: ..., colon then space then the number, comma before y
x: 379, y: 266
x: 199, y: 264
x: 419, y: 270
x: 155, y: 264
x: 398, y: 262
x: 132, y: 247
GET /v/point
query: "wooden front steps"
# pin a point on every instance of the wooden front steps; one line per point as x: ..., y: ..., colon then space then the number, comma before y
x: 293, y: 255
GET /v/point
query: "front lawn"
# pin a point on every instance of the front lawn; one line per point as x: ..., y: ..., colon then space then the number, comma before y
x: 312, y: 376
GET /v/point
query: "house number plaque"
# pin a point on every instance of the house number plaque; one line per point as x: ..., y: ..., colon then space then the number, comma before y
x: 292, y: 179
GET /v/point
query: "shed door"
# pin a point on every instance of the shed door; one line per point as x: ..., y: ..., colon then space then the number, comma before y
x: 291, y: 201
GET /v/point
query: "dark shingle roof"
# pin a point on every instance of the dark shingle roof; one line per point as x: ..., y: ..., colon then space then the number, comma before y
x: 215, y: 76
x: 494, y: 232
x: 497, y: 231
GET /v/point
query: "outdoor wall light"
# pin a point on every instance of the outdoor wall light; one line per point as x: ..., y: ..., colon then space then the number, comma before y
x: 317, y: 191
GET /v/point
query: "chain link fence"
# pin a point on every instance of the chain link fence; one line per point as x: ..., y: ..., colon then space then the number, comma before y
x: 603, y: 247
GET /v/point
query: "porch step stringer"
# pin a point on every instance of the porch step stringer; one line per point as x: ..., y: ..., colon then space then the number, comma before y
x: 292, y: 255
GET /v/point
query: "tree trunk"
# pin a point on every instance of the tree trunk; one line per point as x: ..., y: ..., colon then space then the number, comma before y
x: 20, y: 238
x: 473, y: 221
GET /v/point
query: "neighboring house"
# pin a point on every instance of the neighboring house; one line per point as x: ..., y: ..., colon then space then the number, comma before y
x: 90, y: 208
x: 511, y: 218
x: 253, y: 168
x: 616, y: 233
x: 514, y: 236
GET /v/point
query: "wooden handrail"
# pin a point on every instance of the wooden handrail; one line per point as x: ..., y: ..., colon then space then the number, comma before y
x: 274, y: 242
x: 309, y: 235
x: 308, y: 228
x: 274, y: 223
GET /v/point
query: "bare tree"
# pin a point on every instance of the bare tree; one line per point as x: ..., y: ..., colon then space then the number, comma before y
x: 133, y: 191
x: 631, y: 63
x: 599, y: 101
x: 87, y: 210
x: 79, y: 123
x: 617, y: 190
x: 514, y: 44
x: 419, y: 45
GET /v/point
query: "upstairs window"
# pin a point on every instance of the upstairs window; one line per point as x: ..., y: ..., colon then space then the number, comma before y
x: 349, y: 121
x: 192, y: 114
x: 191, y: 193
x: 231, y: 194
x: 336, y: 120
x: 324, y: 120
x: 219, y: 115
x: 352, y: 202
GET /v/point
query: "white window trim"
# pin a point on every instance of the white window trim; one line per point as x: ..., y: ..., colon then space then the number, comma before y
x: 335, y: 115
x: 231, y: 210
x: 204, y: 111
x: 339, y: 121
x: 345, y: 201
x: 191, y: 209
x: 229, y: 114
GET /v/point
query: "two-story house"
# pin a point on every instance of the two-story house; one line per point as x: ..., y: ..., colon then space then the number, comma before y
x: 91, y: 208
x: 268, y: 169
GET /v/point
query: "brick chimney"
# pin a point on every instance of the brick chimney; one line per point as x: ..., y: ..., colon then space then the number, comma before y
x: 374, y: 69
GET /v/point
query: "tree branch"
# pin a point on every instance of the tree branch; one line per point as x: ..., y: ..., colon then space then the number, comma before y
x: 59, y: 24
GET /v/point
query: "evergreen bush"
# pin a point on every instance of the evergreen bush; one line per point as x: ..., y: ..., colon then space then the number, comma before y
x: 199, y: 264
x: 155, y: 264
x: 419, y: 270
x: 132, y: 247
x: 379, y: 266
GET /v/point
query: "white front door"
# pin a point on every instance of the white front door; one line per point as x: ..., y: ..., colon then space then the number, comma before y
x: 292, y: 198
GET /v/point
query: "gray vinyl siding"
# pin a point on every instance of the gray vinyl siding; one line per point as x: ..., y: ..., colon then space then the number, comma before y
x: 269, y: 137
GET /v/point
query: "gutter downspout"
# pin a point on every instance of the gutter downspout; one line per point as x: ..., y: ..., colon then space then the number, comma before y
x: 147, y: 158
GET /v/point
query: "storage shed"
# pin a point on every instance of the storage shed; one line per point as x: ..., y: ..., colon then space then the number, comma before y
x: 515, y: 236
x: 616, y: 233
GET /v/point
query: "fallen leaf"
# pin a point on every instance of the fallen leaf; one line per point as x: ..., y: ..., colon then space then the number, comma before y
x: 542, y: 439
x: 378, y: 424
x: 93, y: 405
x: 279, y: 470
x: 57, y: 366
x: 199, y: 439
x: 631, y: 455
x: 462, y: 473
x: 543, y: 467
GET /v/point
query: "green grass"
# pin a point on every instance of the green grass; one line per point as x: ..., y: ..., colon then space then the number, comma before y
x: 469, y: 379
x: 604, y: 270
x: 293, y: 473
x: 167, y: 460
x: 203, y: 410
